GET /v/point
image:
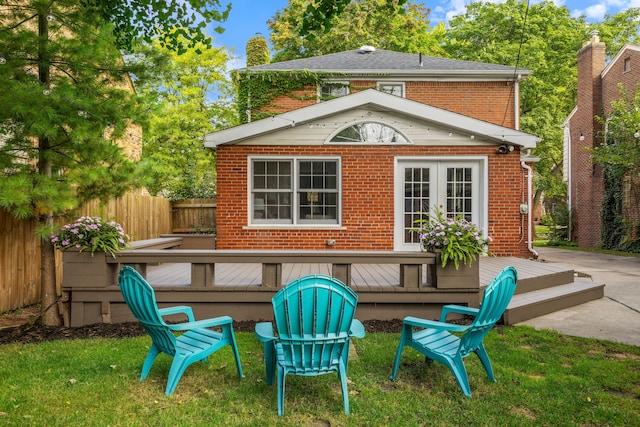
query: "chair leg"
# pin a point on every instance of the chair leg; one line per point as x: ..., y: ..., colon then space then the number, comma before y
x: 269, y: 361
x: 456, y: 366
x: 401, y: 344
x: 148, y: 361
x: 178, y: 367
x: 236, y: 355
x: 342, y: 374
x: 486, y: 363
x: 281, y: 386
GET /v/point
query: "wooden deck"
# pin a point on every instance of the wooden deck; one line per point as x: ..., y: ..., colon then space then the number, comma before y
x: 390, y: 285
x: 542, y: 288
x: 362, y: 275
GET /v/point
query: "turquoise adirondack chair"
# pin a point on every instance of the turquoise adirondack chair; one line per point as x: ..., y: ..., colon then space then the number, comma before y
x: 197, y: 343
x: 437, y: 342
x: 314, y: 320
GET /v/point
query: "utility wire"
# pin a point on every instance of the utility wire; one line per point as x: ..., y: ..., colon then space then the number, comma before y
x: 515, y: 71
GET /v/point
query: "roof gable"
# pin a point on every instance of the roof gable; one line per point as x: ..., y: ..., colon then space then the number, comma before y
x: 372, y: 98
x: 366, y: 62
x: 626, y: 48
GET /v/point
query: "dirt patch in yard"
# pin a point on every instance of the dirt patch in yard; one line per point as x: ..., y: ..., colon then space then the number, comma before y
x: 23, y: 326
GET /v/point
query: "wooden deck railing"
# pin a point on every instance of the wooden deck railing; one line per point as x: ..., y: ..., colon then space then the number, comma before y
x: 203, y: 262
x: 91, y: 294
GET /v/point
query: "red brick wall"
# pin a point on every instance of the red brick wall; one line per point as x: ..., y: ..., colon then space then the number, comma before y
x: 616, y: 74
x: 367, y: 199
x: 586, y: 179
x: 488, y: 101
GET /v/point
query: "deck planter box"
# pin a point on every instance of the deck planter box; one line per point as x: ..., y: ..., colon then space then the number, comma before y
x: 83, y: 270
x: 447, y: 277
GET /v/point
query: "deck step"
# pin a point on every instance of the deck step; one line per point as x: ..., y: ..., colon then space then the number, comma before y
x: 540, y: 302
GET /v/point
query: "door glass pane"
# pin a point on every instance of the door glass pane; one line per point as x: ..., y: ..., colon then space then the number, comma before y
x: 417, y: 199
x: 459, y: 192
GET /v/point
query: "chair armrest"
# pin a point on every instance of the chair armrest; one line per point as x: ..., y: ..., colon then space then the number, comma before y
x: 356, y: 329
x: 178, y: 309
x: 264, y: 332
x: 460, y: 309
x: 433, y: 324
x: 205, y: 323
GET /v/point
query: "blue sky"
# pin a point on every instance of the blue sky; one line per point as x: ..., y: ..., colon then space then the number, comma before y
x: 249, y: 17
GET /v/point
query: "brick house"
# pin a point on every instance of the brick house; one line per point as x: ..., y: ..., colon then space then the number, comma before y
x: 402, y: 133
x: 597, y: 86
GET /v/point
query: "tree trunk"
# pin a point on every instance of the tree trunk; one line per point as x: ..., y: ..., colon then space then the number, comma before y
x: 48, y: 291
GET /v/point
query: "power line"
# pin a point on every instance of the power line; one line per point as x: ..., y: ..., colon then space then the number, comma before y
x: 515, y: 71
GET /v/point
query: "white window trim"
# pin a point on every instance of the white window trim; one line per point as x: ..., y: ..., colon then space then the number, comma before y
x: 482, y: 162
x: 402, y: 84
x: 295, y: 180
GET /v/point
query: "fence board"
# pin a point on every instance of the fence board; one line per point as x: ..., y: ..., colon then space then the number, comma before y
x: 142, y: 217
x: 194, y: 216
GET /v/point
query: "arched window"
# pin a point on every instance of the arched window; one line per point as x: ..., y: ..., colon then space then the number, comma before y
x: 369, y: 133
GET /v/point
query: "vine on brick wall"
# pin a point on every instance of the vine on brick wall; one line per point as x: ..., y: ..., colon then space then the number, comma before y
x: 612, y: 230
x: 257, y: 89
x: 618, y: 232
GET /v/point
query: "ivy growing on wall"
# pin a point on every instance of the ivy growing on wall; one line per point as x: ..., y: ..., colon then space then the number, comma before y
x: 256, y: 90
x: 613, y: 232
x: 619, y: 156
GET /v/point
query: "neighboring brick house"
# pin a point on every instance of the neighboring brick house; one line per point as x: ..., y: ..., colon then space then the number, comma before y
x: 597, y: 87
x: 405, y: 133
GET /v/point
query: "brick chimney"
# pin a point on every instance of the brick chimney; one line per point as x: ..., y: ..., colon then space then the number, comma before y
x: 586, y: 178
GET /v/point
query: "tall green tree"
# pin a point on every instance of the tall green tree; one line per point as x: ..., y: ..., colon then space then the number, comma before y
x: 176, y: 25
x: 321, y: 15
x: 619, y: 29
x: 543, y: 38
x: 63, y: 105
x: 180, y: 113
x: 361, y: 22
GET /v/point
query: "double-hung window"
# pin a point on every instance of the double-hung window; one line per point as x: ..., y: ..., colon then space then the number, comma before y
x: 298, y: 191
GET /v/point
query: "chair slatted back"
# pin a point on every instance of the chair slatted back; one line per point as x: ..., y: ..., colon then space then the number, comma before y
x: 313, y: 315
x: 141, y: 299
x: 496, y: 298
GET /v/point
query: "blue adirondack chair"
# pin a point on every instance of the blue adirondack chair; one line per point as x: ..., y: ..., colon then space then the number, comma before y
x: 197, y: 343
x: 437, y: 342
x: 314, y: 320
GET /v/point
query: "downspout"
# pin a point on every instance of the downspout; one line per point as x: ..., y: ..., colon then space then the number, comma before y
x: 529, y: 203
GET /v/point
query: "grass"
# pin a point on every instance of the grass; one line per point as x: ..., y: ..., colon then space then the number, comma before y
x: 544, y: 378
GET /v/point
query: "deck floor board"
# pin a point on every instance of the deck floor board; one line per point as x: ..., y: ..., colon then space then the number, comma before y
x: 368, y: 275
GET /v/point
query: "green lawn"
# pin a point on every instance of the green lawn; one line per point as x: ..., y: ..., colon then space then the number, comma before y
x: 544, y: 378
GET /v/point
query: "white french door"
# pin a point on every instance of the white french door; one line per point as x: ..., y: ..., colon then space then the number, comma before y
x: 456, y: 186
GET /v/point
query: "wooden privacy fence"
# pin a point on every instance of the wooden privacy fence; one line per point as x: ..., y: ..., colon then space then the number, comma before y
x: 142, y: 217
x: 194, y: 216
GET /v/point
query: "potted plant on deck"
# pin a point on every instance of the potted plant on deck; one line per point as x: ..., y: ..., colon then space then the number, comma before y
x: 457, y: 243
x: 85, y: 244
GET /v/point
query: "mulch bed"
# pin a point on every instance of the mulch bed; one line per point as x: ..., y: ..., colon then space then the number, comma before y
x: 34, y: 332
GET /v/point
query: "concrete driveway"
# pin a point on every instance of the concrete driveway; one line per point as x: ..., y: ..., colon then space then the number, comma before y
x: 615, y: 317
